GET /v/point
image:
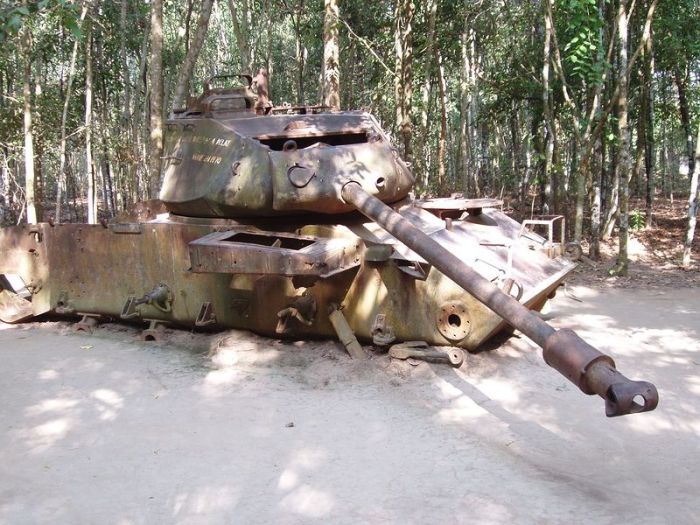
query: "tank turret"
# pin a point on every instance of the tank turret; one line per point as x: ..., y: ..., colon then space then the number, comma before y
x: 229, y: 156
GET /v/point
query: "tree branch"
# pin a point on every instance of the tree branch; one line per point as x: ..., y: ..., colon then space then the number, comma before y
x: 365, y: 43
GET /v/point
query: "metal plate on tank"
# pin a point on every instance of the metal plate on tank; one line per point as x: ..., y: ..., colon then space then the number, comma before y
x: 242, y: 251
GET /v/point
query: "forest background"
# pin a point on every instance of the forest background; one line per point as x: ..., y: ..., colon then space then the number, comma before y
x: 585, y: 108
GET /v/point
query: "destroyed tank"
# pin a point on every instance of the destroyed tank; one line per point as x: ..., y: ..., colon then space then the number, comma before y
x: 298, y: 222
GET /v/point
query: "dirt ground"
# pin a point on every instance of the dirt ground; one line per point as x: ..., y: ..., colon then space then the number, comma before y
x: 235, y: 428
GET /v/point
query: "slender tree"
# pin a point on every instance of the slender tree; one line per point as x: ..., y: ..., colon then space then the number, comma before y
x: 60, y: 183
x: 623, y: 165
x: 648, y: 115
x: 183, y: 78
x: 403, y: 84
x: 693, y: 204
x: 240, y: 17
x: 156, y: 97
x: 548, y: 126
x: 89, y: 168
x: 30, y: 181
x: 330, y: 72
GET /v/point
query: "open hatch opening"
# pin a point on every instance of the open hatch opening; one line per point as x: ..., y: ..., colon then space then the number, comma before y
x: 272, y: 241
x: 333, y: 139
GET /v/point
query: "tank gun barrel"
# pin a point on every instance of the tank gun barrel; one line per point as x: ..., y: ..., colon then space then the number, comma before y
x: 592, y: 371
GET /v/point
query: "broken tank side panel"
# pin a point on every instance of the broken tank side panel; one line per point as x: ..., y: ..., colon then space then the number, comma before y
x: 246, y: 276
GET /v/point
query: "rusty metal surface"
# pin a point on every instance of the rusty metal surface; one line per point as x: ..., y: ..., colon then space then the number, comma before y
x: 13, y: 308
x: 453, y: 208
x: 245, y: 251
x: 83, y: 268
x: 345, y: 333
x: 421, y: 350
x: 595, y: 373
x: 586, y: 367
x: 241, y: 165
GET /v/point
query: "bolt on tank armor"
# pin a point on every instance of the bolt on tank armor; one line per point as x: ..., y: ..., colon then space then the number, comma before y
x: 298, y: 222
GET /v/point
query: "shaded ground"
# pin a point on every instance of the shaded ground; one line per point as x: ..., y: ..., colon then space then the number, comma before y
x: 234, y: 428
x: 654, y: 253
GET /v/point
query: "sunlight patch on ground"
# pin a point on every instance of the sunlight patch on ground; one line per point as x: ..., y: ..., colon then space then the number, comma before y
x: 216, y: 381
x: 109, y: 402
x: 54, y: 429
x: 234, y: 358
x: 304, y: 499
x: 205, y: 501
x: 580, y: 292
x: 661, y: 422
x: 500, y: 390
x: 51, y: 405
x: 309, y: 458
x: 447, y: 390
x: 309, y: 502
x: 601, y: 330
x: 288, y: 480
x: 694, y: 383
x: 460, y: 408
x: 47, y: 375
x: 42, y: 437
x: 460, y: 411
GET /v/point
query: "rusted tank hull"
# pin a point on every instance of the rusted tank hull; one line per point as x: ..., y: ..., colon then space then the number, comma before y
x: 227, y: 274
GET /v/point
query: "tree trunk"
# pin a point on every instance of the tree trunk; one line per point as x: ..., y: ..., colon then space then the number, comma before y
x: 693, y: 198
x: 188, y: 24
x: 125, y: 170
x: 623, y: 161
x: 60, y: 182
x: 442, y: 140
x: 5, y: 180
x: 223, y: 49
x: 424, y: 154
x: 156, y: 98
x: 89, y: 170
x: 649, y: 145
x: 475, y: 113
x: 331, y: 56
x: 106, y: 165
x: 636, y: 177
x: 29, y: 180
x: 548, y: 121
x: 681, y: 80
x: 594, y: 195
x: 464, y: 144
x: 183, y: 78
x: 141, y: 144
x: 239, y: 19
x: 594, y: 177
x: 403, y: 42
x: 300, y: 51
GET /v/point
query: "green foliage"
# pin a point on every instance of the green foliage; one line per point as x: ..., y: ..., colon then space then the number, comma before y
x: 580, y: 24
x: 13, y: 17
x: 677, y: 33
x: 637, y: 220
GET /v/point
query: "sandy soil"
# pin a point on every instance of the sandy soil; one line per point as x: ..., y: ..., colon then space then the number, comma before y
x: 234, y: 428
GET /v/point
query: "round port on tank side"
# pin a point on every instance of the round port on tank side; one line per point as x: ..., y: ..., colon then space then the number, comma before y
x: 453, y: 321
